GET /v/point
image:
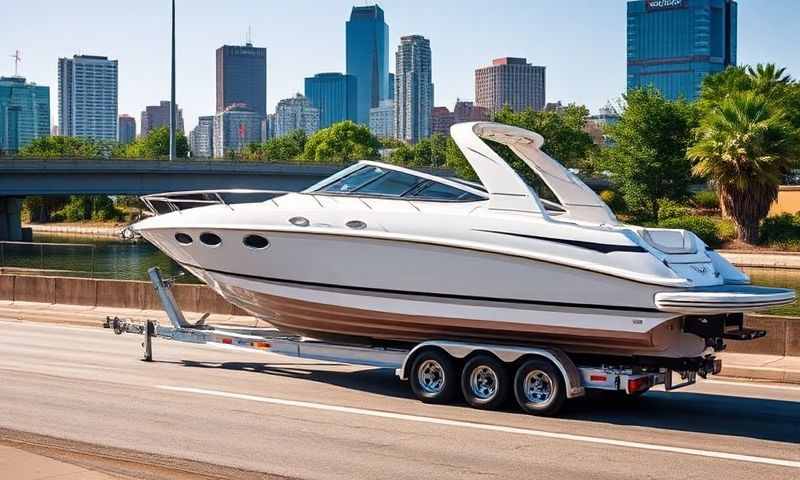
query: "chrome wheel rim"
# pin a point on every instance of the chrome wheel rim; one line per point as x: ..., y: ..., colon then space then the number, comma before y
x: 483, y: 382
x: 537, y: 387
x: 431, y: 376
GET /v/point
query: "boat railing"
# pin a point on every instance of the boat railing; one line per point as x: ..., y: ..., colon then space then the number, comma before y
x: 168, y: 202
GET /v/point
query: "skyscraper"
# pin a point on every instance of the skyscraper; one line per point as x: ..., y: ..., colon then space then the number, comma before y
x: 413, y: 89
x: 674, y: 44
x: 368, y: 57
x: 296, y: 113
x: 235, y: 128
x: 127, y: 129
x: 24, y: 113
x: 201, y: 138
x: 155, y: 116
x: 242, y: 77
x: 334, y: 95
x: 87, y: 97
x: 511, y: 82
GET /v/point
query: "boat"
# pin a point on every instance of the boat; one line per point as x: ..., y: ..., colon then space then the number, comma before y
x: 379, y: 254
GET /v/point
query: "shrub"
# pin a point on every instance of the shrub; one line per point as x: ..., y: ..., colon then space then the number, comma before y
x: 726, y: 230
x: 614, y: 200
x: 671, y: 209
x: 780, y: 229
x: 707, y: 199
x: 703, y: 227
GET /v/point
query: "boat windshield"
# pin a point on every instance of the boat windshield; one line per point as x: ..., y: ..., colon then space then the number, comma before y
x: 376, y: 181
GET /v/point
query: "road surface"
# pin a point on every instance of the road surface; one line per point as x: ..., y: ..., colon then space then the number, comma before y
x: 84, y: 395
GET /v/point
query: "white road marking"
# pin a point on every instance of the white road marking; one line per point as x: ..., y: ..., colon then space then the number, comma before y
x: 752, y: 384
x: 493, y: 428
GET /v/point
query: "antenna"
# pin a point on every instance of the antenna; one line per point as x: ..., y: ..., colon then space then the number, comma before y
x: 249, y: 36
x: 17, y: 60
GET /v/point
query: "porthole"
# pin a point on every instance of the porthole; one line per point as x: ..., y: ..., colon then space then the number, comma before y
x: 183, y: 239
x: 256, y: 242
x: 210, y: 239
x: 299, y: 221
x: 356, y: 225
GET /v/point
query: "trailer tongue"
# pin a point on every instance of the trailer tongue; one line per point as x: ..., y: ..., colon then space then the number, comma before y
x: 543, y: 377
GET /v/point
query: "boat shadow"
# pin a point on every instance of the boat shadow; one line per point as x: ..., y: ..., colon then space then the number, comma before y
x: 706, y: 413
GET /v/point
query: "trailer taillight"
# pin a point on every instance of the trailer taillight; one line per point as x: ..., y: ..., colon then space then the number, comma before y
x: 638, y: 384
x: 227, y: 341
x: 598, y: 378
x: 263, y: 345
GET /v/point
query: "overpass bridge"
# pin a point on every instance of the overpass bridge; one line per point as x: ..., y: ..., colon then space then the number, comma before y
x: 25, y: 177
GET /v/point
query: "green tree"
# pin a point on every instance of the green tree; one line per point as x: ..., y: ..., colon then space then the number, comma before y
x: 402, y: 155
x: 154, y: 145
x: 61, y: 147
x: 647, y: 161
x: 746, y: 143
x: 342, y: 142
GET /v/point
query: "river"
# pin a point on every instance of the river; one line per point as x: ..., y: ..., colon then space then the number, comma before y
x: 110, y: 258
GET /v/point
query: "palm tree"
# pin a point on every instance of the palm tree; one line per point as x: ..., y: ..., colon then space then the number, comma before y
x: 745, y: 145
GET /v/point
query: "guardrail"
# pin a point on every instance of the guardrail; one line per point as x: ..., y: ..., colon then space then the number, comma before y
x: 32, y: 255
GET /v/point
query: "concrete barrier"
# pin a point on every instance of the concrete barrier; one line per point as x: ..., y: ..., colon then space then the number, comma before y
x: 7, y: 287
x: 35, y: 289
x: 75, y: 291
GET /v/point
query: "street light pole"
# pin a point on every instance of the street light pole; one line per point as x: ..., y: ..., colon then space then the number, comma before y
x: 172, y: 108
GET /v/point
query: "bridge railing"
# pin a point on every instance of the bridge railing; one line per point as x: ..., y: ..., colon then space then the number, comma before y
x: 53, y: 258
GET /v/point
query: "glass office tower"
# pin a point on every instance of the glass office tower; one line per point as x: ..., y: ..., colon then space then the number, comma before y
x: 242, y: 77
x: 674, y: 44
x: 335, y: 95
x: 368, y: 58
x: 24, y: 113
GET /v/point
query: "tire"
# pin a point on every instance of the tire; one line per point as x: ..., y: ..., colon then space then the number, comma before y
x: 485, y: 382
x: 539, y: 387
x: 434, y: 377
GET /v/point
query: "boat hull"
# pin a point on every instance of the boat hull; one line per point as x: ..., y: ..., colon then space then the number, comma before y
x: 367, y: 318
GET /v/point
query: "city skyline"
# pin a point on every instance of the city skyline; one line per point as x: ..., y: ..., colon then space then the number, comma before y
x: 570, y: 41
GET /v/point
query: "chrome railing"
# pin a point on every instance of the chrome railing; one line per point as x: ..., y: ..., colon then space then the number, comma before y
x: 174, y: 201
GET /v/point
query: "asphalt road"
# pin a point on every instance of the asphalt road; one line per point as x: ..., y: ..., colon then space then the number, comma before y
x: 231, y: 414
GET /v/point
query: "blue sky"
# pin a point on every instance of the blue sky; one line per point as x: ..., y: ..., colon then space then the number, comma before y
x: 582, y: 42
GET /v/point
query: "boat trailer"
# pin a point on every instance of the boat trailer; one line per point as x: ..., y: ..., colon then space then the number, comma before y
x: 577, y: 379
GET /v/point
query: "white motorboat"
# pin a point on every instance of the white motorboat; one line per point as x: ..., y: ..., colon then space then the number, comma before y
x: 378, y: 253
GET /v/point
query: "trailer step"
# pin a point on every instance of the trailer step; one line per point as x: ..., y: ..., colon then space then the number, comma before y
x: 744, y: 334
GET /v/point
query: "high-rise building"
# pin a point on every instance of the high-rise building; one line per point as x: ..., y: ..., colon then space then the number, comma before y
x: 24, y: 113
x: 235, y: 128
x: 156, y: 116
x: 87, y: 97
x: 127, y: 129
x: 242, y: 77
x: 296, y: 113
x: 465, y: 111
x: 441, y: 120
x: 334, y: 95
x: 381, y: 119
x: 201, y: 138
x: 413, y: 89
x: 391, y: 86
x: 674, y: 44
x: 511, y: 82
x: 367, y: 52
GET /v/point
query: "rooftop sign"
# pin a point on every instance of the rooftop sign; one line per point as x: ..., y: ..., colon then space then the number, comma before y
x: 665, y: 4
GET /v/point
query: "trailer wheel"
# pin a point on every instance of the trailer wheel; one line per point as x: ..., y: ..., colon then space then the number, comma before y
x: 485, y: 382
x: 434, y: 377
x: 539, y: 387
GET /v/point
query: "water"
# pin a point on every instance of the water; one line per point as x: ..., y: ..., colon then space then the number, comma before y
x: 110, y: 258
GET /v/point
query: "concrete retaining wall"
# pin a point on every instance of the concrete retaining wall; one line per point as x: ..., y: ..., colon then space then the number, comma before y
x: 783, y: 336
x: 783, y: 333
x: 109, y: 293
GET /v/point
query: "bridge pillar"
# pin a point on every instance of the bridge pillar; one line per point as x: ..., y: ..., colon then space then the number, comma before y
x: 10, y: 219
